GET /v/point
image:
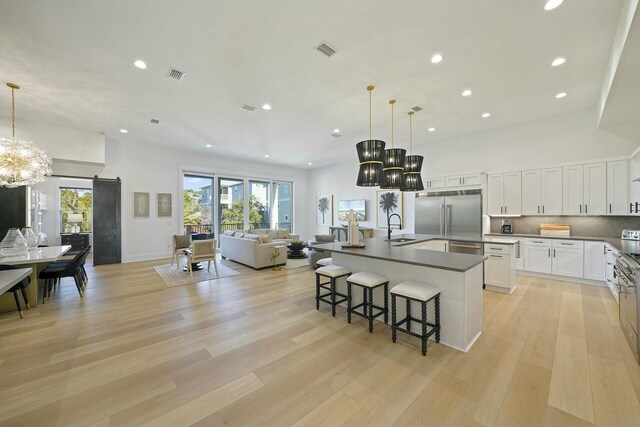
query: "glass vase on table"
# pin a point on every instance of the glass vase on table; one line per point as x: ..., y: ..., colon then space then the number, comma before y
x: 13, y: 244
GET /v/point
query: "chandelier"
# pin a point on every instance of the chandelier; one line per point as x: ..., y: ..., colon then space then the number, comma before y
x: 21, y: 162
x: 412, y: 165
x: 370, y: 154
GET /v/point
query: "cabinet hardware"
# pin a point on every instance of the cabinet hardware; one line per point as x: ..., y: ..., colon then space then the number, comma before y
x: 585, y: 208
x: 609, y: 207
x: 462, y: 181
x: 496, y: 256
x: 637, y: 206
x: 496, y: 249
x: 568, y: 244
x: 542, y: 208
x: 549, y: 252
x: 536, y: 241
x: 580, y: 208
x: 459, y: 181
x: 554, y: 253
x: 538, y: 209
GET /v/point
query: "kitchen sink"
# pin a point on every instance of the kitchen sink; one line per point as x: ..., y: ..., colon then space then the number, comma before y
x: 400, y: 240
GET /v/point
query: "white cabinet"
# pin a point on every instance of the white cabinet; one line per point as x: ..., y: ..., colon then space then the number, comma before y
x: 432, y: 183
x: 505, y: 193
x: 568, y: 258
x: 584, y: 189
x: 542, y: 192
x: 500, y: 268
x: 595, y: 189
x: 433, y: 245
x: 572, y: 190
x: 594, y: 261
x: 474, y: 179
x: 618, y: 187
x: 551, y: 191
x: 537, y: 256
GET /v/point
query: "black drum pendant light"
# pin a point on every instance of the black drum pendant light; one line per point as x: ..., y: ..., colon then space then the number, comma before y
x: 393, y: 163
x: 412, y: 165
x: 370, y: 153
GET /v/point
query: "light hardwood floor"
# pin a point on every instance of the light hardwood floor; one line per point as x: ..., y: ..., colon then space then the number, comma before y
x: 252, y: 350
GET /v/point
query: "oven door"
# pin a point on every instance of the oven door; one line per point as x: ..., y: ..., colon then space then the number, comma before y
x: 629, y: 312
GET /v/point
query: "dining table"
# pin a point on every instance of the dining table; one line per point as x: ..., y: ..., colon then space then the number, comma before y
x: 37, y: 259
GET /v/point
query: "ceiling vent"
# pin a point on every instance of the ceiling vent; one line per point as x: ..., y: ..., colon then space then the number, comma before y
x: 155, y: 121
x: 248, y: 108
x: 176, y: 74
x: 336, y: 135
x: 325, y: 50
x: 416, y: 109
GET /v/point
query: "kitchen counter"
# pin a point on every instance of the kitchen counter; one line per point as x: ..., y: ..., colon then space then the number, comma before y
x: 619, y: 244
x: 402, y: 252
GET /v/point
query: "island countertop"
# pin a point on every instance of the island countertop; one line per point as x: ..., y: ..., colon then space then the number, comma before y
x: 402, y: 252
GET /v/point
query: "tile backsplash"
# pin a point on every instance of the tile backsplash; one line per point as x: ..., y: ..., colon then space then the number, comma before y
x: 591, y: 226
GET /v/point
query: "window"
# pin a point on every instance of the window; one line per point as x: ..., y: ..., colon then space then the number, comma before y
x: 259, y: 197
x: 231, y: 205
x: 76, y: 206
x: 198, y: 204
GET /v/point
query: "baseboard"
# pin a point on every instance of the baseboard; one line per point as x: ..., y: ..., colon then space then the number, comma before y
x: 561, y: 278
x: 147, y: 257
x: 500, y: 289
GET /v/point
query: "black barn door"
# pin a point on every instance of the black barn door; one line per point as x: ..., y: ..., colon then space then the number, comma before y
x: 13, y: 209
x: 106, y: 221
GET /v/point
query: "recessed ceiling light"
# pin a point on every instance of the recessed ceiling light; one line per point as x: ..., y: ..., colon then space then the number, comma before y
x: 561, y: 95
x: 437, y: 58
x: 208, y: 145
x: 466, y: 92
x: 432, y: 129
x: 123, y: 131
x: 266, y: 155
x: 266, y: 107
x: 558, y: 61
x: 485, y: 115
x: 552, y: 4
x: 309, y: 163
x: 336, y: 131
x: 140, y: 64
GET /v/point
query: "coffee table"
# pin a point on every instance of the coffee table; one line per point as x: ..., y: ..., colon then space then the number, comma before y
x: 195, y: 266
x: 296, y: 250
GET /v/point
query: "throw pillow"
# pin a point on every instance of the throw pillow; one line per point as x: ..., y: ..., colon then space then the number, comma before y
x: 324, y: 238
x: 273, y: 234
x: 283, y: 234
x: 239, y: 234
x: 229, y: 233
x: 266, y: 238
x: 255, y: 237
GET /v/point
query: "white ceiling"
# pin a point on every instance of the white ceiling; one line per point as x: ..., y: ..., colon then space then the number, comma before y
x: 74, y: 61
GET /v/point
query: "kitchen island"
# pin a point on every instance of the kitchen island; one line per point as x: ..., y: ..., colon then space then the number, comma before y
x: 458, y: 276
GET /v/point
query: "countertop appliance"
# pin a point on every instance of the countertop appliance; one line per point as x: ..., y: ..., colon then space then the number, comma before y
x: 627, y: 274
x: 506, y: 227
x: 451, y: 213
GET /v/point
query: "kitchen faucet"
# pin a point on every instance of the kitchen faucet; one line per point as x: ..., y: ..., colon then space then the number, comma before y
x: 389, y: 224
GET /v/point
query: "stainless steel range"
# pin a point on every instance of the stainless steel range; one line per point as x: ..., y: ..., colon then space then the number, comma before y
x: 627, y: 273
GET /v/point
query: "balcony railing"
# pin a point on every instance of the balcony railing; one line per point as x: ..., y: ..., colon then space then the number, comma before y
x: 208, y: 228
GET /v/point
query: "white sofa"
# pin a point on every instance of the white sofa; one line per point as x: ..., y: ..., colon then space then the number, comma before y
x: 250, y: 251
x: 277, y: 235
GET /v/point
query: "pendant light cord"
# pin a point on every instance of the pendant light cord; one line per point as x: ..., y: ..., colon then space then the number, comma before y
x: 370, y: 88
x: 410, y: 113
x: 13, y: 113
x: 393, y: 101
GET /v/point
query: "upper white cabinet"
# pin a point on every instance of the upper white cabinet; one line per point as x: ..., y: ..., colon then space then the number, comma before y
x: 542, y: 192
x: 474, y: 179
x: 618, y: 188
x: 433, y: 183
x: 584, y: 189
x: 505, y: 193
x: 595, y: 189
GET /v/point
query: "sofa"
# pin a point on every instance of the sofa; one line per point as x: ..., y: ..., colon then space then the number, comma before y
x: 248, y: 249
x: 317, y: 254
x: 277, y: 235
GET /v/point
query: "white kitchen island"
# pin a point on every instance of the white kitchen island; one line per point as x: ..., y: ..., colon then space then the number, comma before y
x: 458, y: 276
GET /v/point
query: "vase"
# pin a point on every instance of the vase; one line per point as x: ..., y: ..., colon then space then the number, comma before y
x: 13, y: 243
x: 30, y: 236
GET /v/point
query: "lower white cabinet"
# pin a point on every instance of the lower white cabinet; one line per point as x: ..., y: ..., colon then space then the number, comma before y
x: 500, y: 267
x: 595, y: 261
x: 537, y: 259
x: 433, y: 245
x: 568, y: 262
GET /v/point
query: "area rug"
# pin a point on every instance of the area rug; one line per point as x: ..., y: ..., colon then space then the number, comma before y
x: 296, y: 263
x: 174, y: 277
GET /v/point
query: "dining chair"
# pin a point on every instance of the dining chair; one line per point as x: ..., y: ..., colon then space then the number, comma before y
x: 180, y: 243
x: 203, y: 250
x: 20, y: 286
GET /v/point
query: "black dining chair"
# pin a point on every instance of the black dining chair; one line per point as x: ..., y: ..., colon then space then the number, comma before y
x: 54, y: 272
x: 64, y: 262
x: 20, y: 286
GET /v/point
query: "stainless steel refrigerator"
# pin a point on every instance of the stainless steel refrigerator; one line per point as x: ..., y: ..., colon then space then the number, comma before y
x: 449, y: 213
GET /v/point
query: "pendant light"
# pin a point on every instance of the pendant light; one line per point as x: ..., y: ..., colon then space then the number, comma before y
x: 370, y: 153
x: 21, y: 162
x: 412, y: 165
x: 393, y: 163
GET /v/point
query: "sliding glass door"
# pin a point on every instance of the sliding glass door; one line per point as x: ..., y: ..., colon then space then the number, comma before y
x: 283, y: 206
x: 230, y: 204
x: 197, y: 204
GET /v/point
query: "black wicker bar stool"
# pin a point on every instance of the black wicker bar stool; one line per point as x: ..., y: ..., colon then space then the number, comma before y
x: 368, y: 282
x: 422, y: 293
x: 333, y: 273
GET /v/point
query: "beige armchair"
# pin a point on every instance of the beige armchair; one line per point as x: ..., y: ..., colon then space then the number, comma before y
x: 203, y: 250
x: 180, y: 243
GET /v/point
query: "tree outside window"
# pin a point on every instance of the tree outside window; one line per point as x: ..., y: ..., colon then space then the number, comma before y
x: 75, y: 201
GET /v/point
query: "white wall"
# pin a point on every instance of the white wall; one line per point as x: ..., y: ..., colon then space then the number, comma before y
x: 63, y: 144
x: 563, y: 139
x: 154, y: 169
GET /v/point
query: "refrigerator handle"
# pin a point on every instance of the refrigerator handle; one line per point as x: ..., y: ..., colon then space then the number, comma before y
x: 441, y: 219
x: 447, y: 215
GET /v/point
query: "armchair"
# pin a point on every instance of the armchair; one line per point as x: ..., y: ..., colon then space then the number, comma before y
x: 203, y: 250
x: 180, y: 243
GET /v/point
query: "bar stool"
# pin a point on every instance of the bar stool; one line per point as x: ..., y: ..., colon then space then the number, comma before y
x: 422, y: 293
x: 333, y: 273
x: 323, y: 262
x: 368, y: 282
